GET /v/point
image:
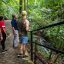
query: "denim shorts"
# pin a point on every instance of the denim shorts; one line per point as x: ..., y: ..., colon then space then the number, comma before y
x: 23, y: 39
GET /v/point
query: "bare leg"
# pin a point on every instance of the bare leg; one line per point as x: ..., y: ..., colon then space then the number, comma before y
x: 21, y: 49
x: 24, y: 49
x: 26, y: 52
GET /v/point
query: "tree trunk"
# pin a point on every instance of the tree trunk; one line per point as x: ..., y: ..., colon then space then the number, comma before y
x: 25, y: 5
x: 20, y: 6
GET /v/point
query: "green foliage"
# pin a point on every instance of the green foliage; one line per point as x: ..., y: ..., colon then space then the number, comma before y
x: 8, y: 7
x: 56, y: 36
x: 43, y: 12
x: 47, y: 10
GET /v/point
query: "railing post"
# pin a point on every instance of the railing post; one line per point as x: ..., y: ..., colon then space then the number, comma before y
x: 35, y: 53
x: 31, y: 44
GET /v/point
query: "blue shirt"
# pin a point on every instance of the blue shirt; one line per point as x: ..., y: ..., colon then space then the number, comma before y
x: 14, y: 24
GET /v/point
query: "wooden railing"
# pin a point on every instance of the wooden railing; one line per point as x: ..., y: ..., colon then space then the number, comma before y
x: 34, y: 55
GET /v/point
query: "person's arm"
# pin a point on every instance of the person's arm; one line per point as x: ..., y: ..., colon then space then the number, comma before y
x: 27, y: 25
x: 0, y: 35
x: 13, y: 29
x: 0, y: 30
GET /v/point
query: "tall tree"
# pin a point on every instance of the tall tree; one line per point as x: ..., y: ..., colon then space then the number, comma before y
x: 25, y: 4
x: 20, y: 6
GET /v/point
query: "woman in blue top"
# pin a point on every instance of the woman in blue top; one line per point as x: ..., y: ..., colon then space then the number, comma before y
x: 15, y: 31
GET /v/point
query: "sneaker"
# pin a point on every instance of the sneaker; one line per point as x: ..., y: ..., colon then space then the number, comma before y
x: 24, y: 56
x: 3, y: 51
x: 19, y: 55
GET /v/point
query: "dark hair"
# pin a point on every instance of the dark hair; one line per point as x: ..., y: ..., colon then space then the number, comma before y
x: 13, y: 16
x: 1, y: 18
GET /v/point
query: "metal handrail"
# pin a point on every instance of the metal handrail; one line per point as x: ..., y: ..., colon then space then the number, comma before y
x: 53, y: 49
x: 50, y: 25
